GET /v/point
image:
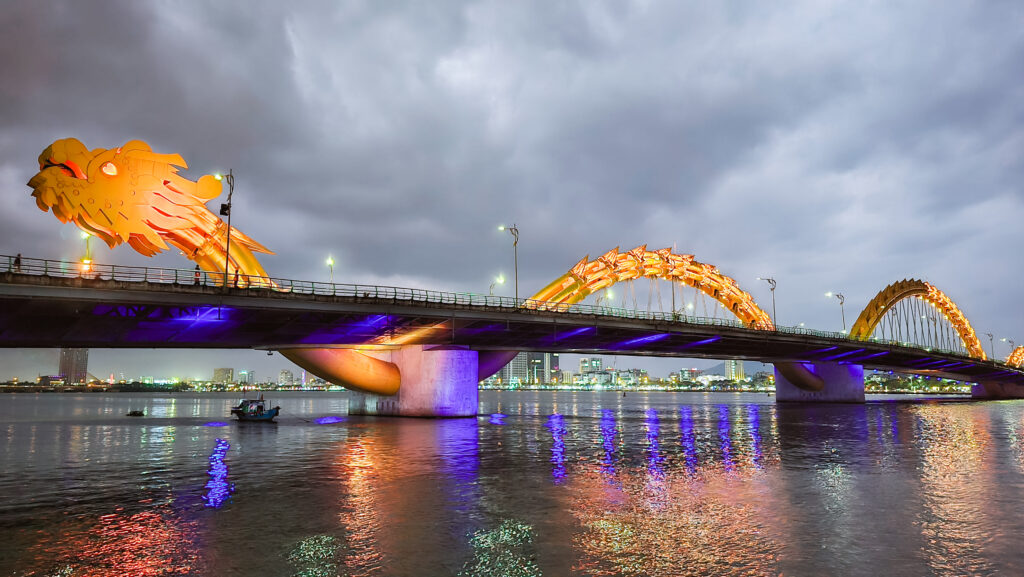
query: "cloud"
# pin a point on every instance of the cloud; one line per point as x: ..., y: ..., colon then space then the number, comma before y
x: 836, y: 146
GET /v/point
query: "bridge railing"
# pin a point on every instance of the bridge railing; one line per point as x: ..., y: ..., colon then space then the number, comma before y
x: 260, y: 285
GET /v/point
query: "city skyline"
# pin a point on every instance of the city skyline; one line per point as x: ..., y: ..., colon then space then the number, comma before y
x: 890, y: 150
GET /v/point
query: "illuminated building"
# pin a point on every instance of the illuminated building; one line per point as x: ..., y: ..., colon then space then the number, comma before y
x: 247, y: 377
x: 689, y: 374
x: 734, y: 370
x: 74, y: 364
x: 224, y: 376
x: 590, y: 365
x: 542, y: 367
x: 285, y: 378
x: 517, y: 371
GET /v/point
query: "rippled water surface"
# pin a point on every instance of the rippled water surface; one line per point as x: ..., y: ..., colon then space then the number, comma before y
x: 541, y: 483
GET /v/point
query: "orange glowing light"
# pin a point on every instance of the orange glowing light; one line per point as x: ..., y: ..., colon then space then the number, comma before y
x: 151, y: 208
x: 589, y: 276
x: 1016, y: 358
x: 907, y: 288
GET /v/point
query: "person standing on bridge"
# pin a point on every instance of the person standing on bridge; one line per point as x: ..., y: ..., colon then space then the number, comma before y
x: 17, y: 263
x: 197, y: 276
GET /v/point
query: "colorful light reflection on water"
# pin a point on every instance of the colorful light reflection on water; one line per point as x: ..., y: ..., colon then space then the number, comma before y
x: 217, y: 488
x: 572, y: 484
x: 556, y: 424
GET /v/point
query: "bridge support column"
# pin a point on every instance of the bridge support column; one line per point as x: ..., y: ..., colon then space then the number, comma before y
x: 436, y: 382
x: 997, y: 391
x: 819, y: 383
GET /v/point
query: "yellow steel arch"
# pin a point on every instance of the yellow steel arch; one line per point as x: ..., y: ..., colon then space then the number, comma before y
x: 908, y: 288
x: 1016, y: 358
x: 589, y: 276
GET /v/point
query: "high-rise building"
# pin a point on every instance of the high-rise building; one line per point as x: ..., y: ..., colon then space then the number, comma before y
x: 542, y: 367
x: 590, y: 365
x: 689, y: 374
x: 285, y: 378
x: 224, y: 376
x: 734, y: 370
x: 247, y: 377
x: 516, y: 372
x: 74, y: 365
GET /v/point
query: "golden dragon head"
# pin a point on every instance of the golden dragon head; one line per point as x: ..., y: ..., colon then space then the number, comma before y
x: 131, y: 194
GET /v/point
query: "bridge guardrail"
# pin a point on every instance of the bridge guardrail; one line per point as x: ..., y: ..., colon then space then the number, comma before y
x: 139, y: 274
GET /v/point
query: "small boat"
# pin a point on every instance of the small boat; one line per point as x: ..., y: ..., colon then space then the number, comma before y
x: 254, y: 410
x: 135, y: 413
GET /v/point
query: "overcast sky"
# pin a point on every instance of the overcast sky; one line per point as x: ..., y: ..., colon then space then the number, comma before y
x: 832, y: 145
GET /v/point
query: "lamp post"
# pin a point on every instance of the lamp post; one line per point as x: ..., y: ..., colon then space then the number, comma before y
x: 1012, y: 344
x: 771, y: 283
x: 330, y: 265
x: 842, y: 309
x: 498, y: 280
x: 515, y: 254
x: 88, y: 253
x: 225, y: 210
x: 991, y: 346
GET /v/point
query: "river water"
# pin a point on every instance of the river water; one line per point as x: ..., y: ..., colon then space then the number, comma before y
x: 542, y: 483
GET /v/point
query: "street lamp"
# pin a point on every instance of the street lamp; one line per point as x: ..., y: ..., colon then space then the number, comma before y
x: 771, y: 283
x: 842, y: 309
x: 991, y: 346
x: 88, y: 253
x: 515, y: 253
x: 1013, y: 345
x: 225, y: 210
x: 499, y: 280
x: 330, y: 265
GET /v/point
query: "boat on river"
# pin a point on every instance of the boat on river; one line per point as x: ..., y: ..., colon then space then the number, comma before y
x: 255, y: 410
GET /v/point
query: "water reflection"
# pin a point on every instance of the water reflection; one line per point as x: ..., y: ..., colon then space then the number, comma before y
x: 956, y: 480
x: 556, y: 424
x: 217, y: 488
x: 655, y: 462
x: 147, y: 543
x: 725, y: 440
x: 608, y: 434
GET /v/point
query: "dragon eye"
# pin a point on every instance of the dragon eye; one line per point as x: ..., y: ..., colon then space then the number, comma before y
x: 109, y: 169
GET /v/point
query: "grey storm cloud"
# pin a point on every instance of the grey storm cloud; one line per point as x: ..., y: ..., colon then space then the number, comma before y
x: 834, y: 146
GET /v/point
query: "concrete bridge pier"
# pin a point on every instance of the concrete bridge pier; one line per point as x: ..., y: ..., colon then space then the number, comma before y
x: 436, y: 382
x: 819, y: 383
x: 997, y: 391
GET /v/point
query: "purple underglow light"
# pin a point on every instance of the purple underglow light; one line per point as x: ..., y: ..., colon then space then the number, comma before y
x: 497, y: 419
x: 550, y: 339
x: 919, y: 361
x: 367, y: 327
x: 218, y: 488
x: 824, y: 350
x: 841, y: 355
x: 724, y: 438
x: 608, y: 433
x: 655, y: 462
x: 754, y: 418
x: 215, y: 424
x: 688, y: 439
x: 556, y: 423
x: 713, y: 339
x: 642, y: 340
x: 871, y: 356
x: 329, y: 420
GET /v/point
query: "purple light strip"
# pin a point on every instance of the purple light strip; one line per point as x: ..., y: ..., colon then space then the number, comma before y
x: 642, y: 340
x: 841, y: 355
x: 713, y: 339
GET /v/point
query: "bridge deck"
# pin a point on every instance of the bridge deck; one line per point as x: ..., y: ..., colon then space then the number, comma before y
x: 70, y: 311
